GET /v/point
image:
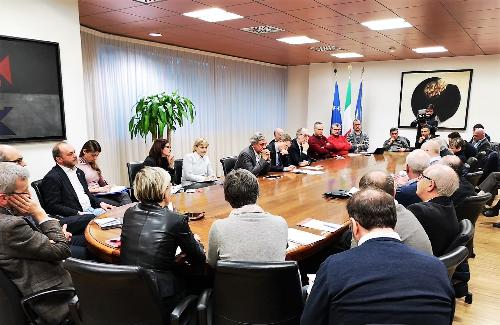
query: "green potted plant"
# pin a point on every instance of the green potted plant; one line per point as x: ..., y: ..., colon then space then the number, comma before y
x: 154, y: 113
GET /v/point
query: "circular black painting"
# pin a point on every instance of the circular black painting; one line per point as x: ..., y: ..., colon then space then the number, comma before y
x: 445, y: 97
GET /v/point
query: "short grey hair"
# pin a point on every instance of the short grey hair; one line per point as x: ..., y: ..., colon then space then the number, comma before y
x: 301, y: 131
x: 257, y: 137
x: 151, y: 184
x: 418, y: 160
x: 56, y: 150
x: 241, y: 188
x: 431, y: 146
x: 445, y: 178
x: 452, y: 161
x: 378, y: 179
x: 9, y: 174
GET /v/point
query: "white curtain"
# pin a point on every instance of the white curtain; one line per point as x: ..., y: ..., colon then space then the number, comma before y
x: 233, y: 98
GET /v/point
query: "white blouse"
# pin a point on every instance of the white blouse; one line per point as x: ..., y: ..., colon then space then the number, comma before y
x: 195, y: 168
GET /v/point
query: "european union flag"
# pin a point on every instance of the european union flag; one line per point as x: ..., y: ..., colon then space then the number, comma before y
x: 359, y: 109
x: 336, y: 115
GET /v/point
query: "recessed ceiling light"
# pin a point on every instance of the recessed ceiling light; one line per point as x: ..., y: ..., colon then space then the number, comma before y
x: 297, y: 40
x: 347, y: 55
x: 262, y: 29
x: 155, y: 34
x: 386, y: 24
x: 326, y: 48
x: 212, y: 15
x: 432, y: 49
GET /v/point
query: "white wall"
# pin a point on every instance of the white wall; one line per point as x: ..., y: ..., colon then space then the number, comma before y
x: 381, y: 88
x: 297, y: 90
x: 56, y: 21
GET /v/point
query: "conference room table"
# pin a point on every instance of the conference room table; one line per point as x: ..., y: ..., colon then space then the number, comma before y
x: 295, y: 197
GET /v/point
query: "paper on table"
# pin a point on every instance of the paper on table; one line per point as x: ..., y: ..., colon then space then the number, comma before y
x: 104, y: 221
x: 314, y: 167
x: 176, y: 188
x: 319, y: 225
x: 299, y: 237
x: 306, y: 171
x: 113, y: 190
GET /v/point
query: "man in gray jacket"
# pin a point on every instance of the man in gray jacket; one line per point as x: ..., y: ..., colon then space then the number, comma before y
x: 407, y: 225
x: 31, y: 253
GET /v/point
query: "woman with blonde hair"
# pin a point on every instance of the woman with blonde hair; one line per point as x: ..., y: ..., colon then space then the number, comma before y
x: 196, y: 166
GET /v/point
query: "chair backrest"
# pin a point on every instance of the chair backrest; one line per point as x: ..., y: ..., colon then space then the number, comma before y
x: 115, y: 294
x: 257, y: 293
x: 132, y: 169
x: 474, y: 177
x: 452, y: 259
x: 36, y: 186
x: 177, y: 171
x: 228, y: 164
x: 473, y: 164
x: 465, y: 235
x: 471, y: 207
x: 11, y: 312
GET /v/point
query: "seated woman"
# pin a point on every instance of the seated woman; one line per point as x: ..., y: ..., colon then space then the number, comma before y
x: 196, y: 166
x: 87, y: 163
x: 160, y: 155
x: 151, y: 234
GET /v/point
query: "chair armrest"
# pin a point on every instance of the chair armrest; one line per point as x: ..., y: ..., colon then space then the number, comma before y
x: 204, y: 307
x: 27, y: 301
x: 185, y: 311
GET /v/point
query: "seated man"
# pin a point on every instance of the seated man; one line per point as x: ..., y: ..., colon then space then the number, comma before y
x: 436, y: 212
x: 298, y: 148
x: 249, y: 233
x: 31, y: 255
x: 280, y: 158
x: 11, y: 154
x: 382, y: 281
x: 425, y: 134
x: 465, y: 188
x: 432, y: 148
x: 407, y: 226
x: 66, y: 193
x: 278, y: 135
x: 479, y: 126
x: 396, y: 142
x: 490, y: 185
x: 340, y: 146
x: 359, y: 140
x: 460, y: 147
x: 480, y: 142
x: 319, y: 147
x: 416, y: 162
x: 255, y: 158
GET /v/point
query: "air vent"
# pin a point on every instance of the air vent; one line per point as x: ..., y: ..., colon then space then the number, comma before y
x: 326, y: 48
x: 262, y: 29
x: 148, y: 1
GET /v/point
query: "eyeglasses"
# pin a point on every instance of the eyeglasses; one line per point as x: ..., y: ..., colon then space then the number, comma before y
x: 16, y: 161
x: 423, y: 176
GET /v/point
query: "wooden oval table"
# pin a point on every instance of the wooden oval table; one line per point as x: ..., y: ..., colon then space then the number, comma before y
x: 295, y: 197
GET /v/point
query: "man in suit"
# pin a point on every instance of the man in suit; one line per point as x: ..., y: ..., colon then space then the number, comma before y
x: 66, y: 193
x: 30, y: 254
x: 425, y: 134
x: 395, y: 142
x: 480, y: 142
x: 465, y: 188
x: 256, y: 157
x: 278, y: 135
x: 298, y: 148
x: 382, y: 280
x: 280, y: 157
x: 433, y: 150
x: 416, y: 162
x: 407, y: 226
x: 478, y: 126
x: 319, y: 147
x: 436, y: 212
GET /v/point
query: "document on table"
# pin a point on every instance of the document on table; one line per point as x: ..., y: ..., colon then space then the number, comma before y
x: 307, y: 171
x: 113, y: 190
x: 298, y: 238
x: 319, y: 225
x: 313, y: 167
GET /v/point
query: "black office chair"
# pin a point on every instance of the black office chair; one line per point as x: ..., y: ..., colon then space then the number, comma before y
x: 253, y: 293
x: 177, y: 171
x: 452, y: 259
x: 470, y: 208
x: 36, y: 186
x: 17, y: 310
x: 474, y: 177
x: 464, y: 236
x: 228, y: 164
x: 471, y: 164
x: 132, y: 169
x: 120, y: 294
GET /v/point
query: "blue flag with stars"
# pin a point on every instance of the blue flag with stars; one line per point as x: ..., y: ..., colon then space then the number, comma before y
x: 336, y: 115
x: 359, y: 109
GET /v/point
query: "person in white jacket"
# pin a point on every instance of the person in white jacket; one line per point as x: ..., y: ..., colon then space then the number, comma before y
x: 196, y: 166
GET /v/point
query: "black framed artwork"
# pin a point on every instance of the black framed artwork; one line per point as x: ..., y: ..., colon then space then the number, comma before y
x: 447, y: 90
x: 31, y: 97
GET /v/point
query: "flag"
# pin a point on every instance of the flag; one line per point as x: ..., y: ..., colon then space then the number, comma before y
x: 336, y: 115
x: 359, y: 109
x: 346, y: 118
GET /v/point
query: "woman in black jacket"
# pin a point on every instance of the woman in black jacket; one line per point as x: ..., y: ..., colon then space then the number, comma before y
x: 151, y: 234
x: 160, y: 155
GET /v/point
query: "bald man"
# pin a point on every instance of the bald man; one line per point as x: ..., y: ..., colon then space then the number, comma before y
x: 11, y: 154
x: 278, y: 135
x: 480, y: 141
x: 436, y: 212
x: 432, y: 148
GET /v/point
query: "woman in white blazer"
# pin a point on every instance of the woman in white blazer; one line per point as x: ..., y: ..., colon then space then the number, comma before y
x: 196, y: 166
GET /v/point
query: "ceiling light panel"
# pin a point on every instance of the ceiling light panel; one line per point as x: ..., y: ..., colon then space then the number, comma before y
x: 212, y: 15
x: 262, y: 29
x: 326, y: 48
x: 385, y: 24
x: 297, y: 40
x: 432, y: 49
x: 347, y: 55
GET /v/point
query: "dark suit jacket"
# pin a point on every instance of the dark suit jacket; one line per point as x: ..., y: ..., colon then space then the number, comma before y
x: 284, y: 160
x: 32, y: 262
x: 380, y: 282
x: 465, y: 189
x: 246, y: 160
x: 296, y: 155
x: 485, y: 146
x: 439, y: 220
x: 59, y: 195
x: 407, y: 194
